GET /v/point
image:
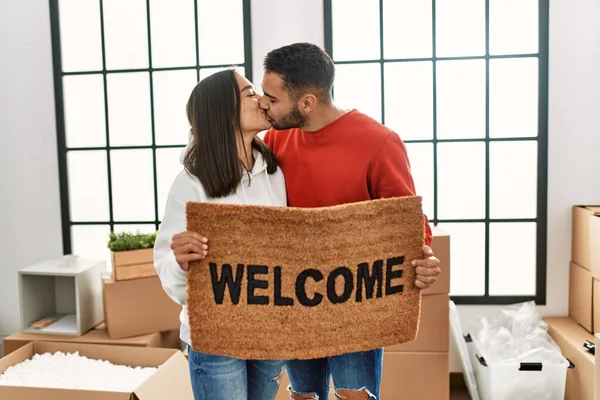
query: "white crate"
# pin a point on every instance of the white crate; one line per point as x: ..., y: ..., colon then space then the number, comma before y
x: 517, y: 381
x: 70, y: 294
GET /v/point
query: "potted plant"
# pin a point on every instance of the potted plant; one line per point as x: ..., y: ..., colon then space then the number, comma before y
x: 132, y: 255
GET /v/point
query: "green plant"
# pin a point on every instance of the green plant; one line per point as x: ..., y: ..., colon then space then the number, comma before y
x: 131, y: 241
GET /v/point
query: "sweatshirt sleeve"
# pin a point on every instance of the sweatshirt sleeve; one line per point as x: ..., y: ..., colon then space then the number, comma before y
x: 172, y: 277
x: 391, y: 175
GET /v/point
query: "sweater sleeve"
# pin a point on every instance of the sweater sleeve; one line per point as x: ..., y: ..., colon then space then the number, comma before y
x: 391, y: 175
x: 172, y: 277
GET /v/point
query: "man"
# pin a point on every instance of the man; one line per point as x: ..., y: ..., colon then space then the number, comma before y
x: 331, y: 156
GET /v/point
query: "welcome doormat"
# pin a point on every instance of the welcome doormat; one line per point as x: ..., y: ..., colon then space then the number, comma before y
x: 299, y: 283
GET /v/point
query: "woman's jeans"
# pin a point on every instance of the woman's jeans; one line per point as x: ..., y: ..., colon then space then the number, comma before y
x: 350, y: 372
x: 226, y: 378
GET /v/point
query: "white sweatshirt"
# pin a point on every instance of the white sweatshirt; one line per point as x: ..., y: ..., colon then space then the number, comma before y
x: 263, y: 189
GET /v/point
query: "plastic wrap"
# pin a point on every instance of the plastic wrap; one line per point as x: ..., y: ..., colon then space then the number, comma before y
x: 517, y: 333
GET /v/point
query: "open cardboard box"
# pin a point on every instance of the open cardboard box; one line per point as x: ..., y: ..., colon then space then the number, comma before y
x: 170, y: 381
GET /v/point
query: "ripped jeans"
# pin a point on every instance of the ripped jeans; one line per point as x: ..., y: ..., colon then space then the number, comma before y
x: 225, y: 378
x: 352, y: 372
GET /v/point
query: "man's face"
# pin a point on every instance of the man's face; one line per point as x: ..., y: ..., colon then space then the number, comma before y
x: 281, y: 110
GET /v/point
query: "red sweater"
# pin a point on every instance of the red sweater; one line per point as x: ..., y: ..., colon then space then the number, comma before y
x: 354, y: 158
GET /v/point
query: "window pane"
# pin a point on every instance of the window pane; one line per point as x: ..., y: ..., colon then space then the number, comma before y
x: 420, y: 156
x: 91, y: 241
x: 461, y: 180
x: 132, y: 185
x: 355, y: 29
x: 461, y: 99
x: 83, y: 97
x: 129, y: 109
x: 81, y: 48
x: 141, y: 228
x: 513, y: 179
x: 406, y: 29
x: 220, y: 32
x: 88, y: 185
x: 125, y: 34
x: 171, y: 92
x: 168, y: 166
x: 460, y: 28
x: 514, y: 26
x: 467, y: 249
x: 512, y: 259
x: 409, y: 99
x: 514, y: 97
x: 204, y: 72
x: 359, y: 86
x: 173, y: 33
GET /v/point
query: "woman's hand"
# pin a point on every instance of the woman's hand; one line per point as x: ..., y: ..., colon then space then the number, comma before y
x: 189, y: 246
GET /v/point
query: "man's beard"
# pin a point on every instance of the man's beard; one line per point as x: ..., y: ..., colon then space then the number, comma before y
x: 294, y: 119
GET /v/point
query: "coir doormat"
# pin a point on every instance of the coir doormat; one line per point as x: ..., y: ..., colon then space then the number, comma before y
x: 298, y: 283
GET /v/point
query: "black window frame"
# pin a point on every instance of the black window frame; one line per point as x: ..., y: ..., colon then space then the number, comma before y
x: 62, y: 147
x: 542, y: 140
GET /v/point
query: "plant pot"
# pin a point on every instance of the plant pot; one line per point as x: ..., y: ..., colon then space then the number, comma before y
x: 133, y: 264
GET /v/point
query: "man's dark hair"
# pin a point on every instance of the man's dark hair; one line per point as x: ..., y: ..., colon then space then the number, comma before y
x: 303, y: 66
x: 213, y: 111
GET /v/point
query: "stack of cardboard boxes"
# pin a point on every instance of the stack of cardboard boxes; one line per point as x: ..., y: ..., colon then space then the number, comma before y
x: 136, y: 311
x: 419, y: 370
x: 128, y: 320
x: 573, y: 332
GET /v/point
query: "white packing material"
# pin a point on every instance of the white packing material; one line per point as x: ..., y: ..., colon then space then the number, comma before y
x: 517, y: 333
x: 72, y: 371
x: 515, y: 358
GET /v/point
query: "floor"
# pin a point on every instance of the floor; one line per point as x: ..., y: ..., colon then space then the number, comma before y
x: 459, y: 394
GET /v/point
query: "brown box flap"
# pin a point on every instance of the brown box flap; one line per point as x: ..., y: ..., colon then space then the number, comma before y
x: 95, y: 336
x: 162, y: 385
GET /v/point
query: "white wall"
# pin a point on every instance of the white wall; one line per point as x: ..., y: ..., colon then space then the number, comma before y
x: 29, y: 174
x: 276, y: 23
x: 30, y: 228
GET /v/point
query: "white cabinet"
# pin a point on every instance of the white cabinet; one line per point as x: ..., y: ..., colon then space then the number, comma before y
x: 70, y: 296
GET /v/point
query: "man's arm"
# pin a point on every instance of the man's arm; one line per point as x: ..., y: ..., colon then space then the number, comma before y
x: 391, y: 175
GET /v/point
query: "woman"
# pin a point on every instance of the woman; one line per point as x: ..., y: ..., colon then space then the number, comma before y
x: 224, y: 163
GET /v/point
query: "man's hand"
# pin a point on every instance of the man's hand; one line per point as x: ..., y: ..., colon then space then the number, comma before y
x: 189, y: 246
x: 427, y: 269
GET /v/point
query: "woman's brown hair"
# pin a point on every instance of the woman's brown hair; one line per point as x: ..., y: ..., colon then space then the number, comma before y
x: 213, y: 111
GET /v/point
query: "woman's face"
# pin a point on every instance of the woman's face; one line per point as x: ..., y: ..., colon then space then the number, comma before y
x: 252, y: 117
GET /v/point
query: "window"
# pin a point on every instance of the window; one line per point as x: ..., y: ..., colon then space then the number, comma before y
x: 464, y: 83
x: 123, y: 72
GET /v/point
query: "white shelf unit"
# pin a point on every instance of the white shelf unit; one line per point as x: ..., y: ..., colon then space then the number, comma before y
x: 72, y: 295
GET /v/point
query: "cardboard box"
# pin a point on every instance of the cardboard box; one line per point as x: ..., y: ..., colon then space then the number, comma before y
x: 415, y: 376
x: 441, y: 249
x: 68, y: 296
x: 581, y: 296
x: 406, y: 375
x: 434, y: 327
x: 585, y: 228
x: 134, y: 264
x: 170, y: 381
x: 138, y: 307
x: 570, y: 338
x: 97, y: 336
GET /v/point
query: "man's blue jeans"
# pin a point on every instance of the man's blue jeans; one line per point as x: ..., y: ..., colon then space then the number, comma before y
x: 360, y: 372
x: 226, y: 378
